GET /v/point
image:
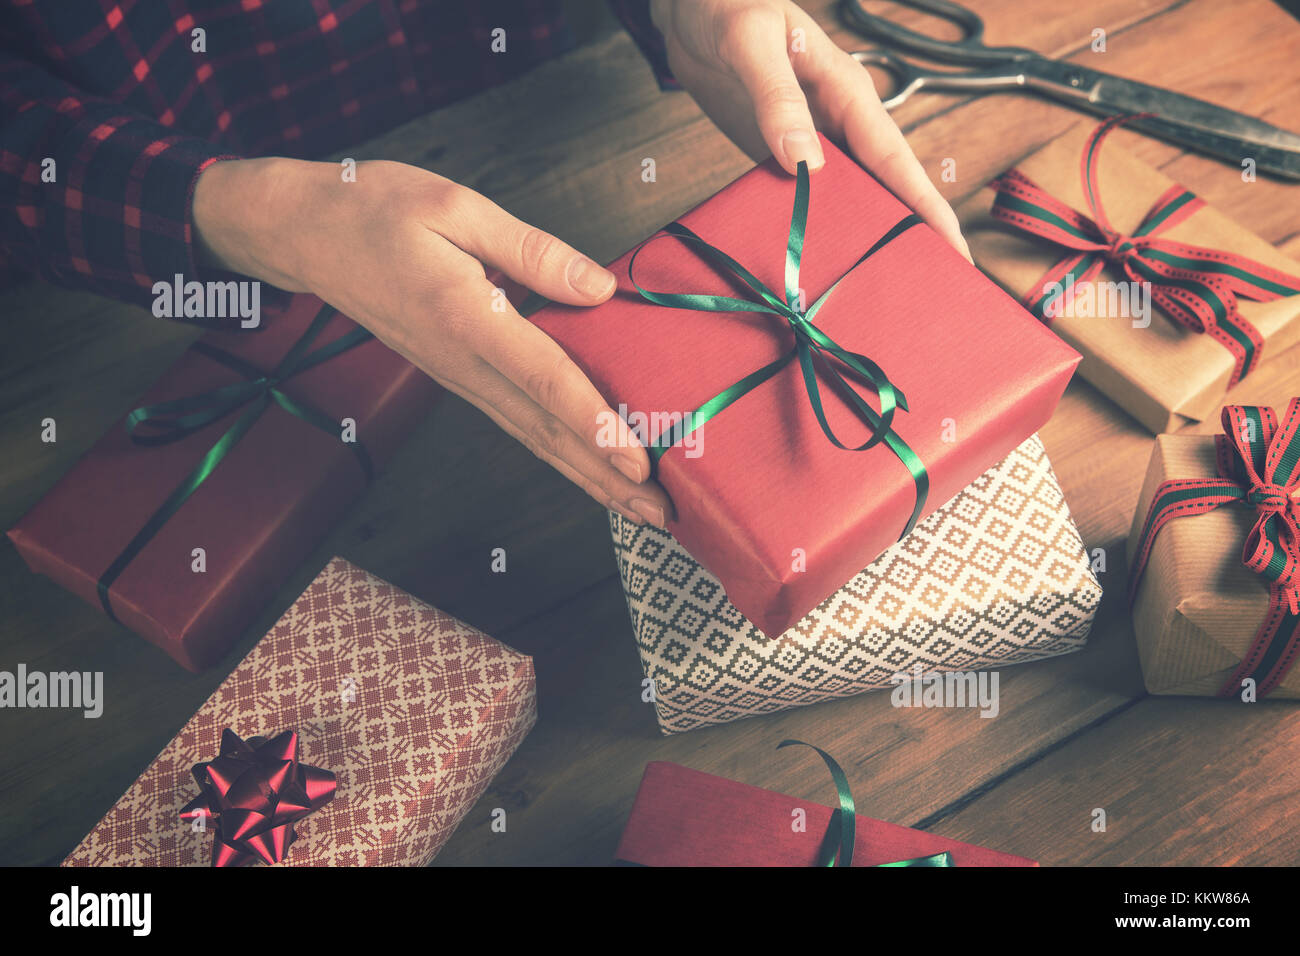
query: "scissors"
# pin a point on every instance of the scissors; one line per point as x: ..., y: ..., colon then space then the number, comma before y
x: 1179, y: 119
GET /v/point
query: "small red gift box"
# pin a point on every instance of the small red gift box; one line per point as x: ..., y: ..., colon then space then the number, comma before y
x: 764, y: 501
x: 683, y: 817
x: 263, y: 507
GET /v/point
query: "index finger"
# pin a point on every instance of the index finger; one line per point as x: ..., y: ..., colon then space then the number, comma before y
x: 754, y: 46
x: 878, y: 144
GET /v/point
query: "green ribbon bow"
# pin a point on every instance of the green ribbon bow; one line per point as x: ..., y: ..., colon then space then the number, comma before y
x: 842, y: 830
x: 171, y: 421
x: 808, y: 339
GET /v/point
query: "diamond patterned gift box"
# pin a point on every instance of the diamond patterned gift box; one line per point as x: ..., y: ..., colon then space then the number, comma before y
x: 414, y: 711
x: 996, y: 576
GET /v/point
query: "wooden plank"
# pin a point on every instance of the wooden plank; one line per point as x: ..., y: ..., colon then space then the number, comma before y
x: 461, y: 488
x: 1183, y: 781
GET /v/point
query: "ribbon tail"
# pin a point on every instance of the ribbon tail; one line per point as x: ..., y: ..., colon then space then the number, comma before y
x: 845, y: 818
x: 830, y: 845
x: 936, y: 859
x: 920, y: 478
x: 794, y: 243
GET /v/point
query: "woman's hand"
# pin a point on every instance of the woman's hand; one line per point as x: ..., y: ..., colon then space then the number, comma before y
x: 402, y: 251
x: 738, y: 58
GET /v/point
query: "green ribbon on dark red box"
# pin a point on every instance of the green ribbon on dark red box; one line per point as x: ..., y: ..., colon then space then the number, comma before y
x: 167, y: 422
x: 841, y: 832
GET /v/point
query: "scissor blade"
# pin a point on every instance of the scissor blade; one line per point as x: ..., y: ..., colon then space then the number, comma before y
x: 1199, y: 125
x: 1268, y: 159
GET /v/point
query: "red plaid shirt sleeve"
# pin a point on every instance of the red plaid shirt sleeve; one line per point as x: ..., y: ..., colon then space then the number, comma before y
x: 92, y: 195
x: 110, y: 109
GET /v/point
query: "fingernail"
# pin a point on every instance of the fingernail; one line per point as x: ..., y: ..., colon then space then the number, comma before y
x: 587, y: 278
x: 802, y: 144
x: 630, y: 467
x: 627, y: 513
x: 648, y: 510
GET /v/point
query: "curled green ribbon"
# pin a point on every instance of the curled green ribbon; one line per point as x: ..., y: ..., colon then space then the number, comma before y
x: 837, y: 844
x: 166, y: 422
x: 808, y: 340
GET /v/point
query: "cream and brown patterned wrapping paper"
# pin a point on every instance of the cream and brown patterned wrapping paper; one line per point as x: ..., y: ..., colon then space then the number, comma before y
x: 996, y: 576
x: 413, y: 711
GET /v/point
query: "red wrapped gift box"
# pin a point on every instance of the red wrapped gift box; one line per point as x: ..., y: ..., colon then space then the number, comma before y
x: 979, y: 373
x: 259, y: 514
x: 683, y: 817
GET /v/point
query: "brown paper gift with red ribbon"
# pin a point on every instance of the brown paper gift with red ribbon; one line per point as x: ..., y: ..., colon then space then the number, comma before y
x: 1164, y: 374
x: 411, y: 711
x: 1198, y: 610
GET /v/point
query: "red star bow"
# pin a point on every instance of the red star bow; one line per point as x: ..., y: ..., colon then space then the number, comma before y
x: 1258, y: 465
x: 255, y: 791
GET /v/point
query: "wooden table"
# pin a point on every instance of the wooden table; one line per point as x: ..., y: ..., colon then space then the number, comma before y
x: 1183, y: 781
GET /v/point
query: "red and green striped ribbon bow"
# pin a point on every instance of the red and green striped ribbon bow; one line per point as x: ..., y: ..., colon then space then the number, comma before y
x: 1196, y: 286
x: 1258, y: 465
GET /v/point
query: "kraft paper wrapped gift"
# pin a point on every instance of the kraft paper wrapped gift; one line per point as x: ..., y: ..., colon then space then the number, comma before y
x: 1165, y: 374
x: 1198, y: 610
x: 413, y: 711
x: 997, y: 576
x: 683, y: 817
x: 764, y: 478
x: 262, y: 508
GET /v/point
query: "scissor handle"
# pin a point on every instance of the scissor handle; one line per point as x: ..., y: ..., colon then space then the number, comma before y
x: 906, y: 77
x: 969, y: 50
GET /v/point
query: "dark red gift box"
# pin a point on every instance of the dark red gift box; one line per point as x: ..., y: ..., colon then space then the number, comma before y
x: 683, y: 817
x: 258, y: 515
x: 979, y: 373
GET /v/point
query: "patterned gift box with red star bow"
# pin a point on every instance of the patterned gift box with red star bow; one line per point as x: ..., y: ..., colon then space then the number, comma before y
x: 412, y: 710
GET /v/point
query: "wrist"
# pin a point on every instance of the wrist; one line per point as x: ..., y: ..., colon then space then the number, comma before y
x: 239, y: 211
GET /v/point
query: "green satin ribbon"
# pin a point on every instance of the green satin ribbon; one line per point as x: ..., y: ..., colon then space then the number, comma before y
x: 808, y: 339
x: 166, y: 422
x: 837, y: 844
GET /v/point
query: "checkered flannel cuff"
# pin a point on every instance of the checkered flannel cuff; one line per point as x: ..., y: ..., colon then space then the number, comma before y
x: 117, y: 216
